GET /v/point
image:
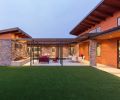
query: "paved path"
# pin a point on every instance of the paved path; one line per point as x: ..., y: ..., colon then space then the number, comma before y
x: 113, y: 71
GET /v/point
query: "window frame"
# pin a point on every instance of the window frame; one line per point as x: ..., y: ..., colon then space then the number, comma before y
x: 118, y: 21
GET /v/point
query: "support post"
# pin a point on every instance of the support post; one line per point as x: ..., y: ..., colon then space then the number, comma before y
x: 61, y: 55
x: 33, y: 52
x: 37, y: 51
x: 93, y: 46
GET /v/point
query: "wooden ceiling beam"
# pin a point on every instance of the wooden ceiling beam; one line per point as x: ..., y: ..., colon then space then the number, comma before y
x: 86, y: 25
x: 102, y: 13
x: 108, y: 6
x: 90, y: 22
x: 95, y: 18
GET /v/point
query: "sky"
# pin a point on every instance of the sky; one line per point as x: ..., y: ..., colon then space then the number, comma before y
x: 44, y: 18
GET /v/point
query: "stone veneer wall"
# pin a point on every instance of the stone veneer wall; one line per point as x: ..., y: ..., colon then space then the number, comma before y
x: 19, y: 52
x: 5, y: 52
x: 93, y: 45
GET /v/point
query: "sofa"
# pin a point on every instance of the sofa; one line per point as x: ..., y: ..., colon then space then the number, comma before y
x: 44, y: 59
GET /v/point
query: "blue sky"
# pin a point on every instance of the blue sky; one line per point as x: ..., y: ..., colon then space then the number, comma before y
x: 44, y: 18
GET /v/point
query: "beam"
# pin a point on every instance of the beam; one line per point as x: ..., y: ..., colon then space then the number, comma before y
x: 93, y: 20
x: 96, y: 18
x: 108, y: 6
x: 90, y: 22
x: 100, y: 13
x: 86, y: 25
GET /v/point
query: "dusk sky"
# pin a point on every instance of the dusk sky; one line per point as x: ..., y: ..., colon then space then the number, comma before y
x: 44, y: 18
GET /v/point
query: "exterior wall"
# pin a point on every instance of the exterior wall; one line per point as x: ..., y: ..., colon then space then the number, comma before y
x: 66, y: 52
x: 48, y: 51
x: 6, y: 36
x: 9, y: 36
x: 93, y: 45
x: 107, y: 24
x: 5, y: 53
x: 108, y: 47
x: 108, y: 52
x: 77, y: 53
x: 84, y: 49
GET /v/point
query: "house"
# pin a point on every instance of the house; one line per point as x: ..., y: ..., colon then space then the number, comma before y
x: 102, y: 29
x: 98, y: 40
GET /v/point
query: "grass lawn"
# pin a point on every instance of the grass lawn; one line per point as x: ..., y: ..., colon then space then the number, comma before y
x: 58, y: 83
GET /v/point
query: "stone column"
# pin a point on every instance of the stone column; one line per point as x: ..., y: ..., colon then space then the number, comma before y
x: 5, y: 52
x: 93, y: 46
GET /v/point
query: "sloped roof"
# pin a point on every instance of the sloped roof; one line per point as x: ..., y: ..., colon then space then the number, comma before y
x: 15, y: 31
x: 105, y: 9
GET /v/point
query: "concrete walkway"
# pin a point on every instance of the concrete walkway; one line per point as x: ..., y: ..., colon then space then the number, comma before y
x: 65, y: 63
x: 110, y: 70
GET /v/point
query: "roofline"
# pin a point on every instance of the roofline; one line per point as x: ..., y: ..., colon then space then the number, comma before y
x: 71, y: 32
x: 16, y: 29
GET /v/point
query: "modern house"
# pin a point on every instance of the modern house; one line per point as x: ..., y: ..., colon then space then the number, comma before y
x: 98, y: 40
x: 102, y: 29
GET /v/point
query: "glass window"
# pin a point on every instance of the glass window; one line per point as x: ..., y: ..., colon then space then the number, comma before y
x: 118, y: 21
x: 98, y: 29
x: 98, y: 49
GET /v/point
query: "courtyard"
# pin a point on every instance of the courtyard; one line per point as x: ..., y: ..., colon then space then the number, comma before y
x: 57, y: 83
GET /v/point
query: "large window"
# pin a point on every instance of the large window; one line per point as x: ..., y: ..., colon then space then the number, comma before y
x: 98, y: 49
x: 118, y: 21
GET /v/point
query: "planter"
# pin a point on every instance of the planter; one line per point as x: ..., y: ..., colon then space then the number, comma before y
x: 20, y: 62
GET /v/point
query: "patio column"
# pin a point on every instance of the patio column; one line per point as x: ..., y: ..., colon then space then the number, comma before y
x: 61, y: 55
x: 93, y: 46
x: 33, y: 52
x: 70, y: 50
x: 37, y: 50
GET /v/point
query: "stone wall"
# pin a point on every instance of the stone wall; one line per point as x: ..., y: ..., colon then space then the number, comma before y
x: 93, y: 45
x: 19, y: 52
x: 5, y: 52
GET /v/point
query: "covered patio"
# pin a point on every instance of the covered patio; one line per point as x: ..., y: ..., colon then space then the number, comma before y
x: 42, y: 52
x: 53, y: 52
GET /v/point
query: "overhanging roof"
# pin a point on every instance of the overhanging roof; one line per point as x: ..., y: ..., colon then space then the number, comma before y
x: 87, y: 36
x: 15, y: 31
x: 105, y: 9
x: 109, y: 31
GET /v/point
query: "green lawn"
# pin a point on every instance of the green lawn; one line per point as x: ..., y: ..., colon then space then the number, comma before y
x: 58, y: 83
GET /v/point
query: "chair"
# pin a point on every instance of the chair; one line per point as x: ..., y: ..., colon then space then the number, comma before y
x: 55, y: 60
x: 81, y: 59
x: 74, y: 58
